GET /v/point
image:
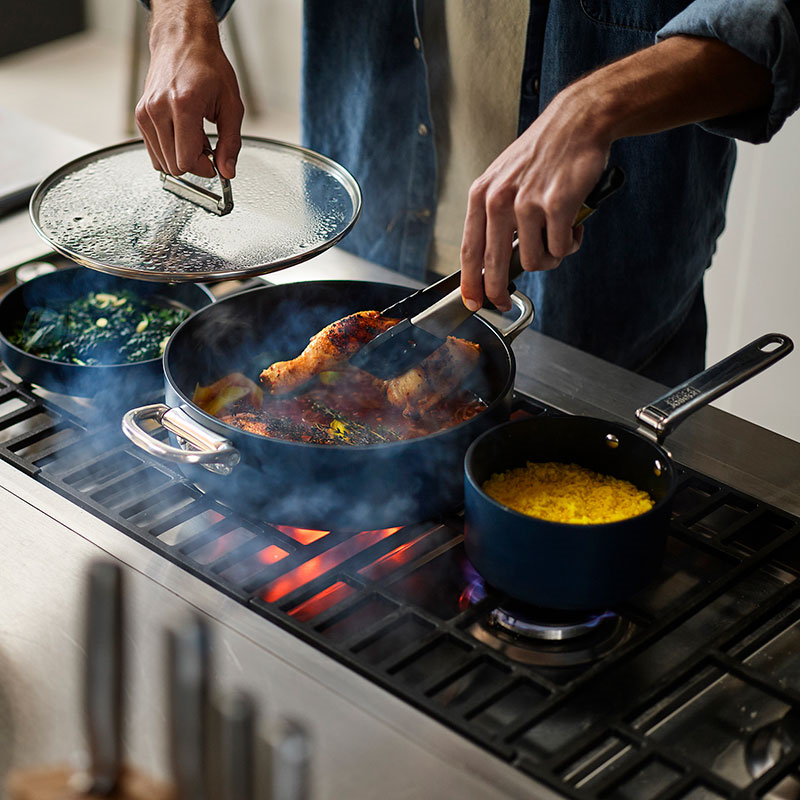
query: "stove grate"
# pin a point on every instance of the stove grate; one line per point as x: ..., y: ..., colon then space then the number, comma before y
x: 710, y: 660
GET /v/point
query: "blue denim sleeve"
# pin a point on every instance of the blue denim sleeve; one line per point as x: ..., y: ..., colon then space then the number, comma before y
x: 221, y: 7
x: 766, y: 31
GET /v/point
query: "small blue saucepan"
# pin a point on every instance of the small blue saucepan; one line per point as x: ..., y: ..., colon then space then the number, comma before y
x: 570, y: 566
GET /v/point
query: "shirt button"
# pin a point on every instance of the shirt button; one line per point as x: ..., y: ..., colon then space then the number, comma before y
x: 422, y: 129
x: 531, y: 87
x: 424, y: 213
x: 417, y: 43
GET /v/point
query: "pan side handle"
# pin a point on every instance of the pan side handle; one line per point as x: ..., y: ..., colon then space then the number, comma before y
x: 525, y: 307
x: 663, y: 415
x: 212, y: 451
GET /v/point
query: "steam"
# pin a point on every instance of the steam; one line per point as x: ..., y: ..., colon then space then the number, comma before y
x: 293, y: 483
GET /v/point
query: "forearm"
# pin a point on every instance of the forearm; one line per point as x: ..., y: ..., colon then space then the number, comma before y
x: 681, y: 80
x: 181, y: 19
x: 540, y: 180
x: 189, y: 81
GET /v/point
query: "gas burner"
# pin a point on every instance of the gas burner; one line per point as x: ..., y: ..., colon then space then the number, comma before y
x: 549, y: 625
x: 547, y: 637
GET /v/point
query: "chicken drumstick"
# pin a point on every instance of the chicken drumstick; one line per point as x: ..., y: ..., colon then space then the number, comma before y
x: 333, y: 345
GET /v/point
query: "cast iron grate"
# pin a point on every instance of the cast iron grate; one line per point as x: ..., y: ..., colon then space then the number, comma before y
x: 713, y: 654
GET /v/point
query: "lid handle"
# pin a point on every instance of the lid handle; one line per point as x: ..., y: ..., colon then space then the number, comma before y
x: 199, y: 195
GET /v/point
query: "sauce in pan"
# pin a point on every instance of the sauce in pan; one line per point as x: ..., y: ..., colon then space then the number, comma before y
x: 347, y: 407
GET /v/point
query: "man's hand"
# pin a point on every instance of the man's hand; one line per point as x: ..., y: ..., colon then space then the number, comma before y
x: 190, y: 79
x: 537, y: 185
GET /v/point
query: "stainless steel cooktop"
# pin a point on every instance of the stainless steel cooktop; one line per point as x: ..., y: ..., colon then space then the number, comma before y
x: 414, y: 679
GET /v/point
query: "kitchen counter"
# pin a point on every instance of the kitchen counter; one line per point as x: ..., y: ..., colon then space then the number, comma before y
x: 368, y: 743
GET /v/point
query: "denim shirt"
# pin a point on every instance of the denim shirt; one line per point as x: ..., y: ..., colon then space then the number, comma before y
x: 628, y: 289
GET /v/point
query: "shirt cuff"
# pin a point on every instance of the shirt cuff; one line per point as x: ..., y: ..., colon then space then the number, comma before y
x: 221, y: 7
x: 766, y: 32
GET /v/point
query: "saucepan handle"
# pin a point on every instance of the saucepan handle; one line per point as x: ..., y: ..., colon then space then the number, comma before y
x: 212, y: 451
x: 663, y: 415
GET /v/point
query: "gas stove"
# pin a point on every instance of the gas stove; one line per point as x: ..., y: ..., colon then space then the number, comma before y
x: 690, y: 689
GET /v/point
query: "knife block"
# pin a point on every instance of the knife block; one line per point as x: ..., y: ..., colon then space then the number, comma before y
x: 58, y: 783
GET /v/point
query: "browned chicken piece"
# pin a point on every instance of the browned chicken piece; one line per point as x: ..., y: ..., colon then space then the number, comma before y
x: 434, y: 378
x: 327, y: 349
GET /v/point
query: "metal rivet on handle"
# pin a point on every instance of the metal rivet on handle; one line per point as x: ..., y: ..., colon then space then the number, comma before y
x: 658, y: 468
x: 612, y: 441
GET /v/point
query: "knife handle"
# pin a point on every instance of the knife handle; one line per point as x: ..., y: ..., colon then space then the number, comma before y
x: 188, y: 661
x: 103, y: 677
x: 291, y: 765
x: 239, y: 747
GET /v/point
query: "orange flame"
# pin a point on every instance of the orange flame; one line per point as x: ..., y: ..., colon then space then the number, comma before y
x: 319, y: 565
x: 326, y: 599
x: 271, y: 554
x: 392, y: 560
x: 301, y: 535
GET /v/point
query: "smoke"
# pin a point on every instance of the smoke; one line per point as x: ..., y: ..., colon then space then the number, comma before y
x: 303, y: 485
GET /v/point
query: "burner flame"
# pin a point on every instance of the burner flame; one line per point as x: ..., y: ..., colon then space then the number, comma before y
x: 322, y: 601
x: 271, y: 554
x: 302, y: 535
x: 473, y: 593
x: 315, y: 567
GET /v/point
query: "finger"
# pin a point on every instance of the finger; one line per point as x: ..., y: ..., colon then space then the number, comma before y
x: 577, y: 238
x: 533, y: 246
x: 229, y: 137
x: 560, y: 235
x: 547, y: 260
x: 530, y: 232
x: 150, y: 138
x: 162, y: 124
x: 191, y: 146
x: 473, y: 244
x: 499, y: 236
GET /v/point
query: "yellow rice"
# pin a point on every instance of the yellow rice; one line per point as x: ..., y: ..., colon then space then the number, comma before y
x: 567, y: 493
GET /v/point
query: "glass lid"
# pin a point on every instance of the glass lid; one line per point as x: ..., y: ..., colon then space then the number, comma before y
x: 111, y: 211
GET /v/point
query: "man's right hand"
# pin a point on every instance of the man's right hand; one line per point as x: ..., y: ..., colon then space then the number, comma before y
x: 189, y: 80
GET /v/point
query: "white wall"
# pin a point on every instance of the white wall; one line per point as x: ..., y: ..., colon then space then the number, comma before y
x: 111, y: 16
x: 753, y: 286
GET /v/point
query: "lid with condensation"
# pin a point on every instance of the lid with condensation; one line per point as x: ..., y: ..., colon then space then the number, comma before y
x: 111, y: 211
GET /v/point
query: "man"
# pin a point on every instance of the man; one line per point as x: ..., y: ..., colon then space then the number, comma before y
x: 631, y: 292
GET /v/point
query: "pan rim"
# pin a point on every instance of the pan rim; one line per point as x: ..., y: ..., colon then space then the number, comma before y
x: 74, y: 270
x: 573, y: 527
x: 193, y: 409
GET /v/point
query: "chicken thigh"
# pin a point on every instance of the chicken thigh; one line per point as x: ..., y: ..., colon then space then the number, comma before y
x: 423, y: 386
